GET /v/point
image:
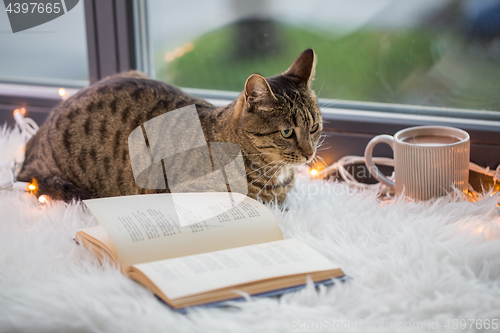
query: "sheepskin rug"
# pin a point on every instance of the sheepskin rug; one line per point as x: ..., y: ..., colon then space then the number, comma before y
x: 414, y: 266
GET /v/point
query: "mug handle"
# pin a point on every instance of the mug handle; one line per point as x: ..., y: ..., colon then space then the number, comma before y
x: 372, y: 168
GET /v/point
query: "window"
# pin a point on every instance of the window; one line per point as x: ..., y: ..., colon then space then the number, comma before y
x: 434, y: 53
x: 54, y: 53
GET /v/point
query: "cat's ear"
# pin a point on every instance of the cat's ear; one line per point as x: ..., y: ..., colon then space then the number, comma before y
x: 257, y: 87
x: 303, y: 67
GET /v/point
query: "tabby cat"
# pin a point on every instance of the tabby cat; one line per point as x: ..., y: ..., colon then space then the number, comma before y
x: 81, y: 151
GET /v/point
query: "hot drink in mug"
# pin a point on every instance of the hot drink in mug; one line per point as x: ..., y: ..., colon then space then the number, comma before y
x: 429, y: 161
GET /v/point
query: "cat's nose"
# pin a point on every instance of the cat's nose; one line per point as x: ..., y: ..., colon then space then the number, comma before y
x: 307, y: 156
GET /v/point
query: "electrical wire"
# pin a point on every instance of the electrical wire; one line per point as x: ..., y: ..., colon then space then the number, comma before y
x: 348, y: 178
x: 27, y: 126
x: 10, y: 179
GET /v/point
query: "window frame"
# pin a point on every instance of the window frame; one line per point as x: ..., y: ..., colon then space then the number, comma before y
x: 117, y: 40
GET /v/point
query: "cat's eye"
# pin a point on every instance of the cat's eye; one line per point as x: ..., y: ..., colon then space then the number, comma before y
x: 314, y: 128
x: 287, y: 132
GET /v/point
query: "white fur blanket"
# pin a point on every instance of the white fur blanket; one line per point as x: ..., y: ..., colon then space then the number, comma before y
x: 413, y: 266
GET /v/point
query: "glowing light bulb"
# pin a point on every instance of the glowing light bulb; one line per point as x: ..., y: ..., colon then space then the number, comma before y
x: 19, y: 116
x: 20, y: 111
x: 188, y: 47
x: 62, y: 92
x: 313, y: 172
x: 169, y: 56
x: 33, y: 186
x: 179, y: 52
x: 42, y: 199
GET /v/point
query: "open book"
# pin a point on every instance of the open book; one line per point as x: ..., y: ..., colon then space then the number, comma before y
x: 198, y: 248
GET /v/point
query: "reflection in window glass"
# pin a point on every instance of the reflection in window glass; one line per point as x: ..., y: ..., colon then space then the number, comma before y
x: 423, y: 52
x: 54, y: 53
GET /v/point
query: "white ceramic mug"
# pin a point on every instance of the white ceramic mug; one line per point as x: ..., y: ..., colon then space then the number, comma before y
x: 429, y: 161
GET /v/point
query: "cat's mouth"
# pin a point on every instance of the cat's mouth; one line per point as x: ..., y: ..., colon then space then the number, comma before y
x: 292, y: 158
x: 309, y: 159
x: 300, y: 160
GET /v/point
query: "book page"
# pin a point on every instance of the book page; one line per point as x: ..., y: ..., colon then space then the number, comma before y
x: 191, y: 275
x: 147, y: 228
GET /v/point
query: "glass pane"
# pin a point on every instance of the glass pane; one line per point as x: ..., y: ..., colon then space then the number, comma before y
x: 441, y: 53
x: 54, y: 53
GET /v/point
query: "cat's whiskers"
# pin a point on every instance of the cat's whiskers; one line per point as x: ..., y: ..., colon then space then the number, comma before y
x: 316, y: 162
x: 264, y: 174
x: 321, y: 141
x: 257, y: 154
x: 319, y: 146
x: 321, y: 158
x: 265, y: 165
x: 249, y: 173
x: 245, y: 155
x: 319, y: 93
x: 277, y: 171
x: 329, y: 104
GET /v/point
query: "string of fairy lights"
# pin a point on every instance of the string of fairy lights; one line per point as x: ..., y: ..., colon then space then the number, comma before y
x: 28, y: 128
